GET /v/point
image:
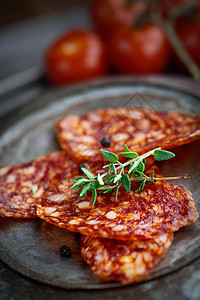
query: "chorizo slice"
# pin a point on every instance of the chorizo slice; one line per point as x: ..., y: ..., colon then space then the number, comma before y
x: 141, y: 129
x: 22, y: 185
x: 159, y: 208
x: 124, y: 261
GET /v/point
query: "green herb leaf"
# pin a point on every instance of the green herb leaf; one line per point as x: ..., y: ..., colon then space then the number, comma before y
x: 126, y: 183
x: 79, y: 184
x: 110, y: 179
x: 99, y: 179
x: 77, y: 178
x: 138, y: 178
x: 34, y: 189
x: 85, y: 190
x: 112, y: 167
x: 135, y: 172
x: 129, y: 154
x: 134, y: 165
x: 141, y: 187
x: 116, y: 192
x: 94, y: 197
x: 106, y: 166
x: 109, y: 156
x: 141, y: 167
x: 162, y: 155
x: 108, y: 174
x: 152, y: 174
x: 106, y: 187
x: 138, y: 173
x: 87, y: 173
x: 126, y: 148
x: 117, y: 178
x: 148, y: 182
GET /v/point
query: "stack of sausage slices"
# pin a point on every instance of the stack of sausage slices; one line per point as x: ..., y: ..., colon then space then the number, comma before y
x: 121, y: 240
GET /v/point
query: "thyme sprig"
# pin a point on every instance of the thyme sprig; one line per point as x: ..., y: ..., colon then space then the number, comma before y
x: 115, y: 177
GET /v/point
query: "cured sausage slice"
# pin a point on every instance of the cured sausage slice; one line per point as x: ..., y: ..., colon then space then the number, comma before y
x: 22, y: 185
x: 159, y: 208
x: 141, y: 129
x: 124, y: 261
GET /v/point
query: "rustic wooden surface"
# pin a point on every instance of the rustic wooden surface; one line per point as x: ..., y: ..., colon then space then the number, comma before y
x: 12, y: 11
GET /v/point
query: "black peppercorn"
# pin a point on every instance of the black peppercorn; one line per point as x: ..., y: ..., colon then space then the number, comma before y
x: 82, y: 166
x: 65, y: 251
x: 105, y: 142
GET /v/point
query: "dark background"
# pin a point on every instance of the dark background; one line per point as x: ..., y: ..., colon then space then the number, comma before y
x: 12, y: 11
x: 27, y: 28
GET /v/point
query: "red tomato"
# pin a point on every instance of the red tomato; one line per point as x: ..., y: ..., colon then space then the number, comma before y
x: 109, y: 14
x: 189, y: 33
x: 140, y: 51
x: 76, y: 56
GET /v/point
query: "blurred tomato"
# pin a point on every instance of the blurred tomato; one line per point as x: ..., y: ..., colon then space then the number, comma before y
x: 109, y: 14
x: 189, y: 33
x: 187, y: 25
x: 76, y: 56
x: 140, y: 51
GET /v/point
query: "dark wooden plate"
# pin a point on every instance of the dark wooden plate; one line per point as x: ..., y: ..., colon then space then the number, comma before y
x: 32, y: 247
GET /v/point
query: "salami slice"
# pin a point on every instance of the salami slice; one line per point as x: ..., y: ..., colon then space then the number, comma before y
x: 124, y: 261
x: 159, y: 208
x: 111, y: 128
x: 22, y: 185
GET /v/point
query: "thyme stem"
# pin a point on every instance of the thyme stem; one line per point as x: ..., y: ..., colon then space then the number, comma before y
x: 141, y: 157
x: 117, y: 179
x: 160, y: 178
